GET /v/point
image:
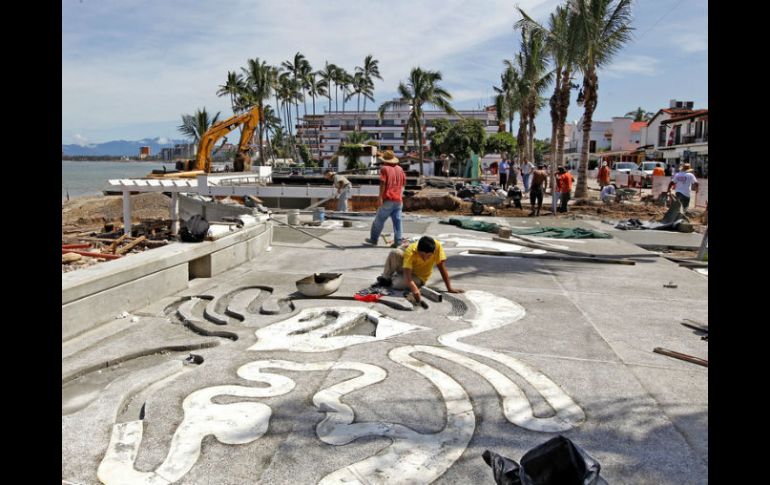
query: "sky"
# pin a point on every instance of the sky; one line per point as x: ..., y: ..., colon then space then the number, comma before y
x: 132, y: 68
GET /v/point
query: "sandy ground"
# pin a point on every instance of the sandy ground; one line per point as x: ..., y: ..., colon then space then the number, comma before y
x: 84, y: 213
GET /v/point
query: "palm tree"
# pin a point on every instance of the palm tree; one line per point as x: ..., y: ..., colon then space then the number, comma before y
x: 370, y: 70
x: 197, y: 124
x: 639, y: 114
x: 345, y: 80
x: 231, y: 87
x: 316, y: 87
x: 421, y: 88
x: 297, y: 67
x: 604, y: 27
x: 533, y: 63
x: 562, y: 49
x: 328, y: 75
x: 259, y: 87
x: 508, y: 101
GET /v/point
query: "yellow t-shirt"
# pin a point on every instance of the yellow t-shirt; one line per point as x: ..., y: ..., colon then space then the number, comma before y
x: 421, y: 268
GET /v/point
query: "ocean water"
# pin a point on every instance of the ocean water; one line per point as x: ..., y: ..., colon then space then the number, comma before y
x: 90, y: 178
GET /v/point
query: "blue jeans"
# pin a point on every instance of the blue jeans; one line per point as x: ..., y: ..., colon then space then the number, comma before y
x: 392, y: 209
x: 525, y: 178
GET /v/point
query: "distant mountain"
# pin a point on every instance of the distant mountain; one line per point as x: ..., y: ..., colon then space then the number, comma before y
x: 119, y: 147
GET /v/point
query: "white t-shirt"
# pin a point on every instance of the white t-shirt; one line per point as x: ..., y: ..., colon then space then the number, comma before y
x: 527, y: 168
x: 684, y: 181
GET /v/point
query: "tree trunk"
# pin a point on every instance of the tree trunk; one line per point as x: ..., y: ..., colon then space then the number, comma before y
x: 521, y: 137
x: 554, y: 104
x: 317, y: 135
x: 563, y: 108
x: 589, y: 91
x: 419, y: 147
x: 260, y: 128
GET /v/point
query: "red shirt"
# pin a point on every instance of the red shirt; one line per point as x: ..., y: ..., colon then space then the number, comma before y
x: 604, y: 175
x: 393, y: 178
x: 564, y: 182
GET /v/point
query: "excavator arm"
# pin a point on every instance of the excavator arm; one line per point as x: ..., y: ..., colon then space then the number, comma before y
x: 250, y: 120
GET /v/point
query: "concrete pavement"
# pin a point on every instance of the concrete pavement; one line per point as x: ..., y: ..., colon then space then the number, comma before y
x: 331, y: 389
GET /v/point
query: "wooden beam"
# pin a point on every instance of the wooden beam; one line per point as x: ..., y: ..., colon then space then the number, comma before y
x: 128, y: 247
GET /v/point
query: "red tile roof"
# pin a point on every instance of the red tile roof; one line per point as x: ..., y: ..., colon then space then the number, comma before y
x: 637, y: 125
x: 695, y: 114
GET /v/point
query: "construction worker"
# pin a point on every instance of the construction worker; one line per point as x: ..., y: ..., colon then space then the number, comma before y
x: 391, y: 200
x: 682, y: 182
x: 343, y: 186
x: 410, y: 268
x: 603, y: 177
x: 658, y: 170
x: 564, y: 183
x: 536, y: 191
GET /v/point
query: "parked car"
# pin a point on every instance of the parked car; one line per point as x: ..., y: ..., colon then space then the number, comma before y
x: 623, y: 167
x: 645, y: 172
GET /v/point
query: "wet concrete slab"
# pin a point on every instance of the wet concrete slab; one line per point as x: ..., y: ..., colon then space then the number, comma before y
x: 534, y: 348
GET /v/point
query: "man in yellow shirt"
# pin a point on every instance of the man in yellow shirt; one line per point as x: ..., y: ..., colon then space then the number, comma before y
x: 410, y: 268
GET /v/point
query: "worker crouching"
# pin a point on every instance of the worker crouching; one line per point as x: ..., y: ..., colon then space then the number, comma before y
x: 410, y: 268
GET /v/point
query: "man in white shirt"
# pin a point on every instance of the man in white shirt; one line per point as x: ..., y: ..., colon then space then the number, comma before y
x: 608, y: 193
x: 343, y: 186
x: 526, y: 172
x: 683, y: 180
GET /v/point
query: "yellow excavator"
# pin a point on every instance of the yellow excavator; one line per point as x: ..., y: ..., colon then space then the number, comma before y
x: 202, y: 162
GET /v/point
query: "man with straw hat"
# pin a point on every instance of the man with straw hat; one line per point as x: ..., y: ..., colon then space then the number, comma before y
x: 683, y: 180
x: 390, y: 202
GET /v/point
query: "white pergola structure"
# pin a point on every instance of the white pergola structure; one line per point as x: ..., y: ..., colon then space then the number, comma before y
x: 239, y: 185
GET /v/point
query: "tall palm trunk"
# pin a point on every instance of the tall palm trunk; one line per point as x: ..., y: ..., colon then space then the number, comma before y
x: 563, y: 106
x: 589, y: 91
x: 531, y: 135
x: 317, y: 132
x: 260, y: 129
x: 419, y: 147
x: 554, y: 104
x: 521, y: 138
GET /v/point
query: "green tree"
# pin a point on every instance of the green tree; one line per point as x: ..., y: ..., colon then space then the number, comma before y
x: 328, y: 75
x: 438, y: 137
x: 640, y: 114
x: 421, y: 88
x: 316, y: 87
x: 463, y: 138
x: 298, y: 68
x: 232, y: 87
x: 304, y: 153
x: 603, y: 29
x: 197, y: 124
x: 370, y: 70
x: 503, y: 143
x: 258, y: 88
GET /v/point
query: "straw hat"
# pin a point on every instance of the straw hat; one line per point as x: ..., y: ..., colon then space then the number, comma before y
x: 388, y: 157
x: 686, y: 167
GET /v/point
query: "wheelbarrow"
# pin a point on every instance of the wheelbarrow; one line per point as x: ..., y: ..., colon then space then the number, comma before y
x: 482, y: 202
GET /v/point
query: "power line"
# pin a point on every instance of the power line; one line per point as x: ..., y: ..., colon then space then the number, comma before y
x: 658, y: 21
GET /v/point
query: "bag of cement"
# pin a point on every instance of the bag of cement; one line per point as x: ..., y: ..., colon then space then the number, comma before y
x: 558, y: 461
x: 195, y: 229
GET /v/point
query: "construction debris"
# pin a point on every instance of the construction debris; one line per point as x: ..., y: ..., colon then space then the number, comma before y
x: 677, y: 355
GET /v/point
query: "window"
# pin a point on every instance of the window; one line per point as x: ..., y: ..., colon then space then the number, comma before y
x: 662, y: 135
x: 678, y: 135
x: 698, y: 129
x: 388, y: 122
x: 592, y: 146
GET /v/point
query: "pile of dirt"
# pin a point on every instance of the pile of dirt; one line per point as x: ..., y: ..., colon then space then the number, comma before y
x: 89, y: 212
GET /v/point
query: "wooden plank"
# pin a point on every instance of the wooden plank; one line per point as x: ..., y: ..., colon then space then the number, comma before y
x: 92, y: 255
x: 685, y: 357
x: 128, y: 247
x: 114, y: 244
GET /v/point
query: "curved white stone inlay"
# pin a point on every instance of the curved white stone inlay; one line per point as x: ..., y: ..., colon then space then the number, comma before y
x: 232, y: 424
x: 314, y: 330
x: 494, y: 312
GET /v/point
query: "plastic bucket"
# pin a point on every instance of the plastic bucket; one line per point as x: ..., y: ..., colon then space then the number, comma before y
x: 319, y: 214
x: 294, y: 217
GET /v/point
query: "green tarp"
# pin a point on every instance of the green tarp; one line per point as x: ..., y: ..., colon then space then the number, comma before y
x: 562, y: 233
x: 555, y: 232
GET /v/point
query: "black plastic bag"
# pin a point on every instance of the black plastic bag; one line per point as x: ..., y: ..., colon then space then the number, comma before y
x: 558, y: 461
x: 195, y: 229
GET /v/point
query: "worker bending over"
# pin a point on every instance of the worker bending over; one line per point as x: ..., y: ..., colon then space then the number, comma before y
x: 410, y: 268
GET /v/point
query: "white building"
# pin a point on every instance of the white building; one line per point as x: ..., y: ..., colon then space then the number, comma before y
x: 331, y: 128
x: 688, y: 140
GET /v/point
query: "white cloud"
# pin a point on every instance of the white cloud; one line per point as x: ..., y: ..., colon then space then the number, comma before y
x: 154, y: 61
x: 163, y: 140
x: 632, y: 66
x: 691, y: 42
x: 80, y: 140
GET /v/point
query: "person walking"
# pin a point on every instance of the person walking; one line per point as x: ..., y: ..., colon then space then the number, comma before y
x: 390, y: 201
x: 504, y: 168
x: 539, y: 184
x: 343, y: 186
x: 564, y: 181
x: 526, y: 172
